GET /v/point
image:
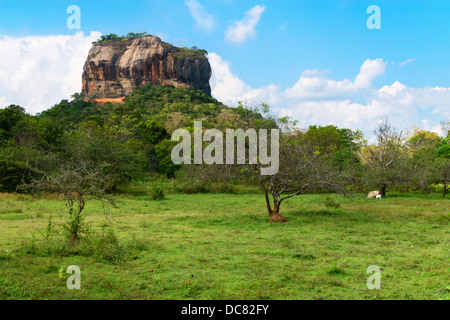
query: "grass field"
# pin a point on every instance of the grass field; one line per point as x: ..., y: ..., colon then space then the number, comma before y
x: 220, y: 246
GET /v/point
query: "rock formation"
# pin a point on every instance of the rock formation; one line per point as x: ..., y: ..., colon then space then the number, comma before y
x: 115, y: 69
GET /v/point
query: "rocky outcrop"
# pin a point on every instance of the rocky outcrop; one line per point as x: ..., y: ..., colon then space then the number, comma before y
x: 115, y: 69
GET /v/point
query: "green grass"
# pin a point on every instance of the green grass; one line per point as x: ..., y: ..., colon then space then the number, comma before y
x: 220, y: 246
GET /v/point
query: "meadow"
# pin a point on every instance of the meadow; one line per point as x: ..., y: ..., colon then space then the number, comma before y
x: 221, y: 246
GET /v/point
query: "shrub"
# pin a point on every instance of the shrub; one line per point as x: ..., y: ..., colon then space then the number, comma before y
x: 331, y: 203
x: 11, y: 175
x: 105, y: 247
x: 225, y: 188
x: 194, y: 188
x: 102, y: 246
x: 74, y: 227
x: 157, y: 194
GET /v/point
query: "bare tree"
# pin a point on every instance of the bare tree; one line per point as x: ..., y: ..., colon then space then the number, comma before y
x: 445, y: 125
x: 77, y: 182
x: 384, y: 159
x: 302, y: 168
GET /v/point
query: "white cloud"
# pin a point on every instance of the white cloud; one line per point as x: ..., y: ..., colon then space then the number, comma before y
x: 243, y: 29
x: 230, y: 89
x: 204, y: 21
x: 37, y: 72
x: 356, y: 104
x: 404, y: 63
x: 368, y: 72
x: 313, y: 84
x: 226, y: 86
x: 439, y: 130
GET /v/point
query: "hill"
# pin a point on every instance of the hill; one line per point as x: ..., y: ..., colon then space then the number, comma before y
x: 171, y: 107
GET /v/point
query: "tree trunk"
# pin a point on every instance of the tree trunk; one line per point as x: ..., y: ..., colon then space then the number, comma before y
x: 75, y: 226
x: 275, y: 215
x: 383, y: 190
x: 445, y: 190
x: 266, y: 194
x: 73, y: 239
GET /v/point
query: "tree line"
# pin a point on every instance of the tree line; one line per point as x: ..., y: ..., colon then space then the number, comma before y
x: 83, y: 150
x: 332, y: 159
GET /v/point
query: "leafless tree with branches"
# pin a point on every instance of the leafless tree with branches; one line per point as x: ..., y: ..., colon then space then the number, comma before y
x: 77, y: 182
x: 384, y: 159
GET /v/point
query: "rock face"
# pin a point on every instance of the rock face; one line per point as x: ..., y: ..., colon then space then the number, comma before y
x: 114, y: 69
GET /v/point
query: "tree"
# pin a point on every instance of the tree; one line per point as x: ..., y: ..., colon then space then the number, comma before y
x: 429, y: 159
x: 384, y: 160
x: 87, y: 167
x: 339, y: 145
x: 12, y: 174
x: 77, y: 179
x: 422, y: 160
x: 443, y: 159
x: 10, y: 117
x: 77, y: 182
x: 304, y: 166
x: 443, y: 169
x: 133, y: 35
x: 93, y: 144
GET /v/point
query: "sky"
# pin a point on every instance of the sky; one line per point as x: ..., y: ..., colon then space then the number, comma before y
x: 314, y: 60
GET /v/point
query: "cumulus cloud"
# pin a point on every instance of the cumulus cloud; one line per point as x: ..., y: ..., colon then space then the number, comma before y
x: 226, y: 86
x: 356, y: 104
x: 230, y: 89
x: 439, y: 129
x: 204, y: 21
x: 314, y: 84
x: 37, y: 72
x: 368, y: 72
x: 243, y: 29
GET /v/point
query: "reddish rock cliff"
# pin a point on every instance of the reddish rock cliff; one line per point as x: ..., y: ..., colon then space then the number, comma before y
x: 114, y: 69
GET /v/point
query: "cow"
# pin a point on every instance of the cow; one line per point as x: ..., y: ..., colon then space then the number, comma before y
x: 373, y: 194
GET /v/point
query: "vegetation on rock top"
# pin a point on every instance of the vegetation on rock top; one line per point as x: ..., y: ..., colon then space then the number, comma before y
x: 180, y: 53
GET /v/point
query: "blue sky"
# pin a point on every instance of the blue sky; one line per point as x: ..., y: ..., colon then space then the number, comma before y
x: 272, y: 49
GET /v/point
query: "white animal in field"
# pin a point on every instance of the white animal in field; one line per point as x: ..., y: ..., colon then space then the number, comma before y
x: 378, y: 196
x: 373, y: 194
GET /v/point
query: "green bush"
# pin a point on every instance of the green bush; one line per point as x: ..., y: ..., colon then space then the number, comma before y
x: 210, y: 188
x: 331, y: 203
x: 105, y: 247
x: 157, y: 194
x: 102, y: 246
x: 194, y: 188
x: 225, y: 188
x: 12, y: 175
x: 74, y: 227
